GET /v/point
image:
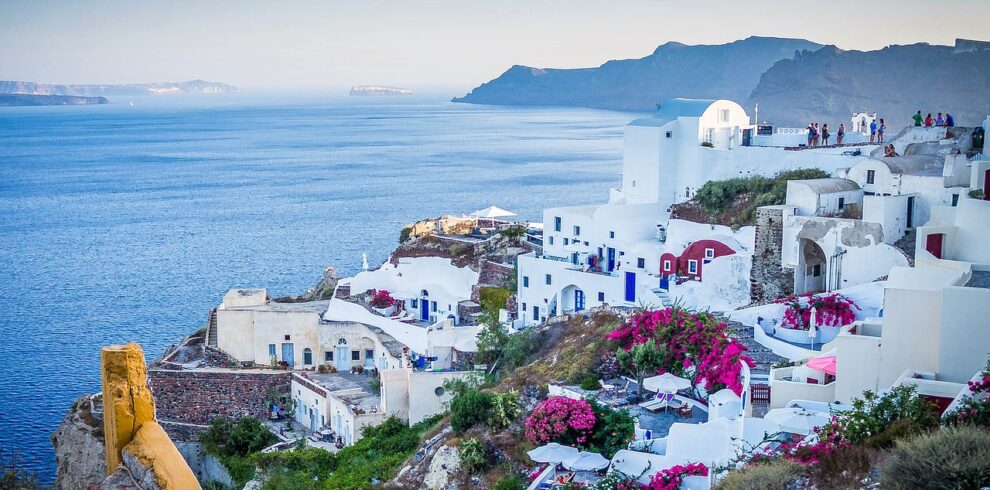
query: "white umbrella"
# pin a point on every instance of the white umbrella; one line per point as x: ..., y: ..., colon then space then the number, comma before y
x: 586, y: 461
x: 811, y: 326
x: 552, y: 453
x: 796, y: 420
x: 492, y: 212
x: 666, y: 383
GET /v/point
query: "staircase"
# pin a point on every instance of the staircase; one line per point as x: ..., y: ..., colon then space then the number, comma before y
x: 907, y: 245
x: 763, y: 358
x: 211, y: 329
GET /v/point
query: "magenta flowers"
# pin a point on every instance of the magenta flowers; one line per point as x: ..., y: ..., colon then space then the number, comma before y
x: 382, y: 299
x: 833, y: 310
x: 671, y: 478
x: 560, y: 419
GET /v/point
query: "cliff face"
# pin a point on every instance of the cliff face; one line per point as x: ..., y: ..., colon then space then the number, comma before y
x: 80, y: 455
x: 830, y: 84
x: 190, y: 87
x: 673, y: 70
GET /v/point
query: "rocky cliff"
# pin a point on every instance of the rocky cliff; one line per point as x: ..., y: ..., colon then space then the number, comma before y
x: 79, y: 451
x: 673, y: 70
x: 190, y: 87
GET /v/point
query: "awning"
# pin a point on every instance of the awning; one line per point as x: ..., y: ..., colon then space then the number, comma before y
x: 826, y: 364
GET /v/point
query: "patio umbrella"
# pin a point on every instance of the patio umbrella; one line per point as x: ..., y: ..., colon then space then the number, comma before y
x: 825, y: 364
x: 666, y: 383
x: 811, y: 326
x: 492, y: 212
x: 796, y: 420
x: 586, y: 461
x: 552, y: 453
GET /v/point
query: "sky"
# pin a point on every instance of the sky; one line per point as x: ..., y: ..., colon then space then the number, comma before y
x: 444, y: 45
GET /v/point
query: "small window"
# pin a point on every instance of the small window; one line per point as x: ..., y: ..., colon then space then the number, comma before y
x: 955, y: 199
x: 634, y: 183
x: 525, y: 281
x: 666, y: 265
x: 670, y: 134
x: 550, y: 240
x: 549, y: 279
x: 536, y: 313
x: 271, y: 350
x: 438, y: 391
x: 433, y: 306
x: 567, y: 241
x: 817, y: 270
x: 725, y: 115
x: 328, y: 356
x: 601, y: 296
x: 369, y: 353
x: 842, y: 202
x: 710, y: 135
x: 709, y: 253
x: 556, y: 223
x: 288, y: 337
x: 870, y: 176
x: 611, y: 234
x: 307, y: 356
x: 355, y: 355
x: 641, y: 262
x: 523, y: 307
x: 577, y: 231
x: 692, y: 267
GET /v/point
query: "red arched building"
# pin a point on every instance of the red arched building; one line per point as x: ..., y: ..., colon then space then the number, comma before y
x: 692, y: 260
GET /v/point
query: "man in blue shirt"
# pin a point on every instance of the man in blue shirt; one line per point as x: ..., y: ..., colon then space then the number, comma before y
x: 873, y: 130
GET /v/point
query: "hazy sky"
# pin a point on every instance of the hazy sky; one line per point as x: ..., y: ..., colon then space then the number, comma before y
x: 441, y: 44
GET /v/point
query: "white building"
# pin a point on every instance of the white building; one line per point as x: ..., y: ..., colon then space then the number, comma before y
x: 335, y: 402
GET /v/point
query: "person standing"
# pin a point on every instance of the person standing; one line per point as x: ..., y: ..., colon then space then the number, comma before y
x: 929, y: 121
x: 938, y: 120
x: 825, y: 134
x: 840, y: 133
x: 811, y: 133
x: 873, y: 130
x: 949, y: 121
x: 880, y: 129
x: 815, y: 134
x: 917, y: 118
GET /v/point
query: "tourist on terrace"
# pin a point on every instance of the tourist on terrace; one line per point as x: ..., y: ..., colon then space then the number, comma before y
x: 888, y: 151
x: 840, y: 133
x: 825, y: 134
x: 811, y: 133
x: 929, y: 121
x: 938, y: 120
x: 815, y: 133
x: 917, y: 118
x: 880, y: 129
x: 949, y: 121
x: 873, y: 130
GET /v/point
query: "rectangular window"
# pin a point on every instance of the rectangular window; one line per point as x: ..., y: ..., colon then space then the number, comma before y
x: 692, y: 266
x: 817, y: 271
x: 842, y: 202
x: 601, y: 296
x: 670, y: 134
x: 271, y: 350
x: 307, y: 357
x: 550, y: 240
x: 641, y: 262
x: 666, y: 265
x: 870, y: 175
x: 525, y: 281
x: 567, y: 241
x: 577, y: 231
x: 611, y: 234
x: 536, y: 313
x: 433, y: 306
x: 710, y: 136
x: 327, y: 356
x: 955, y: 199
x: 369, y: 354
x: 556, y: 223
x: 355, y: 355
x: 709, y: 253
x: 549, y: 279
x: 523, y: 308
x: 288, y: 337
x: 724, y: 115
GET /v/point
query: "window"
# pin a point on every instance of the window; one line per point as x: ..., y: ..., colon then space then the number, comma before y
x: 307, y: 356
x: 288, y: 337
x: 724, y: 115
x: 710, y: 136
x: 709, y: 253
x: 817, y: 270
x: 634, y: 183
x: 577, y: 231
x: 355, y: 355
x: 328, y: 356
x: 641, y: 262
x: 556, y: 223
x: 549, y: 279
x: 601, y: 296
x: 955, y: 199
x: 271, y: 350
x: 438, y: 391
x: 433, y: 306
x: 666, y: 265
x: 566, y: 241
x: 536, y: 313
x: 870, y: 176
x: 369, y: 354
x: 550, y: 240
x: 692, y: 267
x: 670, y: 134
x: 611, y: 234
x: 842, y: 202
x: 525, y: 281
x: 523, y: 309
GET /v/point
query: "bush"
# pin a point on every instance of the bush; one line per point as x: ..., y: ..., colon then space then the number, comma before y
x: 518, y: 348
x: 956, y: 457
x: 505, y: 409
x: 717, y: 196
x: 845, y: 467
x: 590, y: 383
x: 233, y: 443
x: 614, y: 430
x: 474, y: 455
x: 873, y: 414
x: 560, y: 419
x: 375, y: 385
x: 770, y: 476
x: 493, y: 298
x: 404, y: 234
x: 382, y: 299
x: 468, y: 409
x: 510, y: 483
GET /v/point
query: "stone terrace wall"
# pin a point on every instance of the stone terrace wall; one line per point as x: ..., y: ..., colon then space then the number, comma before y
x: 493, y: 274
x: 768, y: 279
x: 197, y: 397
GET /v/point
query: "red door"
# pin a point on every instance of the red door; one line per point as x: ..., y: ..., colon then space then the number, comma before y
x: 933, y: 244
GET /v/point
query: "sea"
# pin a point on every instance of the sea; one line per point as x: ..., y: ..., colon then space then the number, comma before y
x: 127, y: 222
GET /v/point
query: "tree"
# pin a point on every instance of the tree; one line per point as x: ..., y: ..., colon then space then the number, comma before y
x: 491, y: 338
x: 642, y: 360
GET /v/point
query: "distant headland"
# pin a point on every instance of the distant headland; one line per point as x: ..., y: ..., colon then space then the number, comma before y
x: 111, y: 90
x: 379, y: 90
x: 8, y: 100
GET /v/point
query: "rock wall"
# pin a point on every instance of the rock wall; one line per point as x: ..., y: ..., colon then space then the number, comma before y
x: 768, y: 279
x: 494, y: 274
x: 80, y: 456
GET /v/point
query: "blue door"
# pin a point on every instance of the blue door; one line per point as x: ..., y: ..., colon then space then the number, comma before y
x: 578, y: 300
x: 631, y: 287
x: 424, y: 309
x: 664, y: 283
x: 289, y: 354
x: 611, y: 259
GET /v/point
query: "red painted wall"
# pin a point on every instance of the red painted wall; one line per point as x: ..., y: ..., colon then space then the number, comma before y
x: 695, y: 251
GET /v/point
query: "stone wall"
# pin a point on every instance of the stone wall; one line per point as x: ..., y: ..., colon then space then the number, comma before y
x: 197, y: 397
x: 768, y: 279
x: 494, y: 274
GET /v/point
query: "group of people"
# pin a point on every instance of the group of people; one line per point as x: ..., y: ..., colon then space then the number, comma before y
x: 938, y: 120
x: 821, y: 134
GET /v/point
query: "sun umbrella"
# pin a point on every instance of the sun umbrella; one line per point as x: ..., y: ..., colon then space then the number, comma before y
x: 492, y: 212
x: 796, y: 420
x: 666, y: 383
x: 811, y: 326
x: 552, y: 453
x: 586, y: 461
x: 825, y: 364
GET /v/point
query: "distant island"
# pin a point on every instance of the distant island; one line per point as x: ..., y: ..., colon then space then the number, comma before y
x: 10, y: 100
x: 111, y: 90
x: 379, y: 90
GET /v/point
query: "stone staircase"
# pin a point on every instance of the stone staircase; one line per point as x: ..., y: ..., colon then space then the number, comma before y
x: 763, y: 357
x: 211, y: 329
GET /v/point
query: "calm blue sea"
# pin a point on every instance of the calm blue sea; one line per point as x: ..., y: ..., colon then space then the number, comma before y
x: 127, y: 223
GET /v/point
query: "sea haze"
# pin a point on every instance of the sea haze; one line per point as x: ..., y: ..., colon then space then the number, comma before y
x: 128, y: 222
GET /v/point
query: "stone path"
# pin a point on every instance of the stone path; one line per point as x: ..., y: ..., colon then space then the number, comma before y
x: 762, y: 356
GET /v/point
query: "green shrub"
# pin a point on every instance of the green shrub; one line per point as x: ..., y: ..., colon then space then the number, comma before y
x: 505, y: 408
x: 953, y: 458
x: 493, y: 298
x: 375, y: 385
x: 770, y: 476
x: 717, y: 196
x: 404, y: 234
x: 247, y: 435
x: 314, y: 462
x: 468, y: 409
x: 844, y: 467
x: 474, y: 455
x: 590, y: 383
x: 518, y: 348
x: 212, y: 485
x: 872, y: 414
x: 513, y: 482
x: 614, y: 430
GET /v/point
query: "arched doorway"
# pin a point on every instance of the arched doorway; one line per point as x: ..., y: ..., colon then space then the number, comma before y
x: 572, y: 299
x: 424, y: 305
x: 810, y: 274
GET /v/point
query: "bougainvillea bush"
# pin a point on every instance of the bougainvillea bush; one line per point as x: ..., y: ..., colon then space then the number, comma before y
x: 560, y: 419
x: 382, y: 299
x: 671, y: 478
x: 833, y: 310
x: 698, y: 345
x: 975, y: 409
